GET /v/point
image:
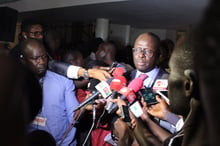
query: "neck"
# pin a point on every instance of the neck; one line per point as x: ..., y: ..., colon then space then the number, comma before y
x: 147, y: 70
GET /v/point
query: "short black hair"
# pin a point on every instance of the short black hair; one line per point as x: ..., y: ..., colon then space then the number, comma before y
x: 27, y: 24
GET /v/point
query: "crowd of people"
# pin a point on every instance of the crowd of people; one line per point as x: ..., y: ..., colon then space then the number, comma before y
x: 44, y: 87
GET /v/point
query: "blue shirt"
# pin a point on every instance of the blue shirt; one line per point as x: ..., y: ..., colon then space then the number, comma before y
x: 56, y: 114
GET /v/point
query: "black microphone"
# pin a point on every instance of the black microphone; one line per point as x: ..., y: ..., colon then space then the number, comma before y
x: 103, y: 88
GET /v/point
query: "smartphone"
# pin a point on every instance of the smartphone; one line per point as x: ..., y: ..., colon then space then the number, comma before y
x: 114, y: 64
x: 148, y: 95
x: 125, y: 114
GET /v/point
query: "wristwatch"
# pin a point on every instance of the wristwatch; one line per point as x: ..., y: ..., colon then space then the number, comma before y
x: 86, y: 75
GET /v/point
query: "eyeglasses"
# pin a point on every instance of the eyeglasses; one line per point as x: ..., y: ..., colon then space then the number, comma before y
x: 147, y: 52
x: 37, y: 33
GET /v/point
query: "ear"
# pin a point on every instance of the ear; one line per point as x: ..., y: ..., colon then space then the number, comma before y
x: 22, y: 58
x: 190, y: 82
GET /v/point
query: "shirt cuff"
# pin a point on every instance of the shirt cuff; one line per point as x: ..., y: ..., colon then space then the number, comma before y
x: 172, y: 118
x: 72, y: 72
x: 179, y: 124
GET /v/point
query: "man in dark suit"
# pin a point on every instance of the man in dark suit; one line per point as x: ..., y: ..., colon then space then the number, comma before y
x: 145, y: 57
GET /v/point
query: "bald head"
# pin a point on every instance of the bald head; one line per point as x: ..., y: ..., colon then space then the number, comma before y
x: 144, y: 37
x: 182, y: 79
x: 34, y: 56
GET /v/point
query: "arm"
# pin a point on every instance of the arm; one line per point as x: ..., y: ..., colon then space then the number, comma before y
x: 70, y: 99
x: 74, y: 72
x: 161, y: 111
x: 81, y: 83
x: 95, y: 73
x: 159, y: 132
x: 123, y: 132
x: 142, y: 134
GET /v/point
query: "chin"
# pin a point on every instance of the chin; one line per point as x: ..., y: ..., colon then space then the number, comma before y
x: 41, y: 74
x: 141, y: 68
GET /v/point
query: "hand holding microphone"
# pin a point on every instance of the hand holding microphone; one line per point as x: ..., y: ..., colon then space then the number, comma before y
x: 117, y: 83
x: 103, y: 88
x: 128, y: 93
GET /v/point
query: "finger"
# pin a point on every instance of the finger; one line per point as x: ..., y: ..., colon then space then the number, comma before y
x: 113, y: 100
x: 111, y: 71
x: 104, y: 68
x: 118, y: 112
x: 106, y: 74
x: 97, y: 101
x: 158, y: 98
x: 143, y: 102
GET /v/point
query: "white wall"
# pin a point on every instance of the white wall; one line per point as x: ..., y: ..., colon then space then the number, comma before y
x: 118, y: 33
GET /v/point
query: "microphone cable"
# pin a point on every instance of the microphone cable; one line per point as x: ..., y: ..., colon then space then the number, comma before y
x: 93, y: 124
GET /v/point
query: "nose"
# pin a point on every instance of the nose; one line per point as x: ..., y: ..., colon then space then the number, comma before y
x: 141, y: 54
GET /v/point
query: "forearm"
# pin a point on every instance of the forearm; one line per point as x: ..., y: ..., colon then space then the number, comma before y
x: 158, y: 131
x: 126, y: 139
x: 144, y: 136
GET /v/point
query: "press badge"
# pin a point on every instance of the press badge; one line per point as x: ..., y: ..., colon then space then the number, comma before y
x: 40, y: 121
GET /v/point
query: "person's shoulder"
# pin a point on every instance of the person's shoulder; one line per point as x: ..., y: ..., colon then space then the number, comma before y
x: 162, y: 74
x: 133, y: 73
x: 163, y: 71
x: 127, y: 67
x: 51, y: 74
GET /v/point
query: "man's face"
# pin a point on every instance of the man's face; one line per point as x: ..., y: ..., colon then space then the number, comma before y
x: 101, y: 52
x: 179, y: 103
x: 35, y: 32
x: 35, y: 58
x: 144, y: 53
x: 75, y: 58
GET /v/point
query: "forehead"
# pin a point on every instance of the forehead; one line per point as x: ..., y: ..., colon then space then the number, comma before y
x: 145, y: 41
x: 36, y: 27
x: 174, y: 64
x: 34, y: 49
x: 71, y: 55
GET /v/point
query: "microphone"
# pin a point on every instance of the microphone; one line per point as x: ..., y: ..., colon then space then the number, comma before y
x: 119, y: 71
x: 103, y: 88
x: 91, y: 85
x: 128, y: 93
x: 137, y: 83
x: 161, y: 87
x: 117, y: 83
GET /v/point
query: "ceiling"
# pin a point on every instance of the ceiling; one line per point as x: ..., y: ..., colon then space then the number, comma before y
x: 137, y: 13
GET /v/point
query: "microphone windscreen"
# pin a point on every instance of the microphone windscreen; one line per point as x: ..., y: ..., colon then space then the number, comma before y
x: 136, y: 84
x: 119, y: 71
x: 118, y: 82
x: 128, y: 93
